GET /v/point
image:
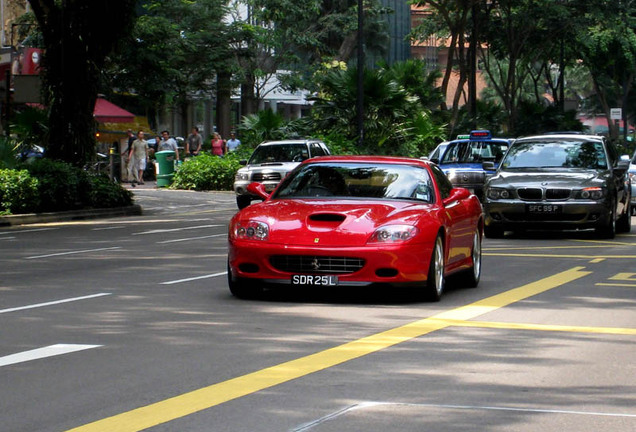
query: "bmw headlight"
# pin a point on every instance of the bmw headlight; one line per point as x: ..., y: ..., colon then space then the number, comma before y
x: 393, y: 234
x: 593, y: 193
x: 241, y: 176
x: 251, y: 230
x: 497, y: 193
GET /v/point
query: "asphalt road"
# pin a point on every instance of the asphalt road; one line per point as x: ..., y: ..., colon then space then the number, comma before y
x: 127, y: 324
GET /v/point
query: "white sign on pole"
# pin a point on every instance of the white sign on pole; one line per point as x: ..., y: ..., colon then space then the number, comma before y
x: 616, y: 113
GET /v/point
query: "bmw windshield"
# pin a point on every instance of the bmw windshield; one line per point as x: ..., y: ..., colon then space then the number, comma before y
x: 556, y: 154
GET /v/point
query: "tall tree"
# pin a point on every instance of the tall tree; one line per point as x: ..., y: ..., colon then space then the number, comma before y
x: 77, y: 35
x: 181, y: 46
x: 608, y: 50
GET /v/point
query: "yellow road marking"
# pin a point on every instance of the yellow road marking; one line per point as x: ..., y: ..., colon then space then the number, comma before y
x: 579, y: 247
x: 607, y: 242
x: 616, y: 284
x: 624, y: 277
x: 597, y: 260
x: 560, y: 256
x: 207, y: 397
x: 544, y: 327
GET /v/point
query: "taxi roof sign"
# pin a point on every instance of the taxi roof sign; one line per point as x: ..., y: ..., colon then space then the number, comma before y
x: 480, y: 135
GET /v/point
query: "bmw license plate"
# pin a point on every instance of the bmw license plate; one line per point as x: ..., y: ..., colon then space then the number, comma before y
x: 314, y: 280
x: 543, y: 208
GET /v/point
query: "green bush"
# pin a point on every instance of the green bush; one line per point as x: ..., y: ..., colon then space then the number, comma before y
x: 62, y: 186
x: 104, y: 193
x: 18, y: 192
x: 207, y: 172
x: 46, y: 186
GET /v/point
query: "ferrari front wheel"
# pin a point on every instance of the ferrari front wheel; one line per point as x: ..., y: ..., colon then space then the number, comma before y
x: 473, y: 274
x: 435, y: 281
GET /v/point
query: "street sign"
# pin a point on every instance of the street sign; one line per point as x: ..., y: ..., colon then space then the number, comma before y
x: 616, y: 113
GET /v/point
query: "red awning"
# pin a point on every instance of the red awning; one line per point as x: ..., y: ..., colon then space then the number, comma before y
x: 107, y: 112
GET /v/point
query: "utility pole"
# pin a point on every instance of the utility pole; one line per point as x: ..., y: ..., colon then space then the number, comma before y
x: 472, y: 70
x: 360, y: 98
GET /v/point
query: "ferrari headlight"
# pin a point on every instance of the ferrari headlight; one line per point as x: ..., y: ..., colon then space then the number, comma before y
x: 394, y: 234
x: 241, y: 176
x: 497, y: 193
x: 251, y: 230
x: 594, y: 193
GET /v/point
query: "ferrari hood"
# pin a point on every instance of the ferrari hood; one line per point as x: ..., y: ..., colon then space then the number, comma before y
x: 331, y: 222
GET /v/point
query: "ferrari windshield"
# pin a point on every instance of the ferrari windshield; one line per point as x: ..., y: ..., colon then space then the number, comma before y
x: 556, y: 154
x: 279, y: 153
x: 358, y: 180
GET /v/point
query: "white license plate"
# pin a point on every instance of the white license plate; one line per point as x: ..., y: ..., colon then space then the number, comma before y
x: 314, y: 280
x: 543, y: 208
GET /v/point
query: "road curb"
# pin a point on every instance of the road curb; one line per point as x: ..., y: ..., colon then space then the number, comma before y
x: 33, y: 218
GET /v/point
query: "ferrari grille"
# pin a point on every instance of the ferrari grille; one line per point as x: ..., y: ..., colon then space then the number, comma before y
x: 316, y: 264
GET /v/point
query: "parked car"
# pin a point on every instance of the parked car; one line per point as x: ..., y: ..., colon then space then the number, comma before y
x: 437, y: 153
x: 462, y: 159
x: 270, y: 162
x: 559, y: 182
x: 632, y: 179
x: 352, y: 221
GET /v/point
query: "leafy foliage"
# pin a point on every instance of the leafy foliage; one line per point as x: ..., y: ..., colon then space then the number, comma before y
x: 396, y: 121
x: 18, y: 192
x: 207, y: 172
x: 62, y: 186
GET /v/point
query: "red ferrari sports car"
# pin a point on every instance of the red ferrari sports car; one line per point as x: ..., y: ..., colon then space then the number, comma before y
x: 357, y: 221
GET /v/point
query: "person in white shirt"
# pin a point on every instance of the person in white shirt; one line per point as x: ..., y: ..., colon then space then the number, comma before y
x: 233, y: 142
x: 168, y: 143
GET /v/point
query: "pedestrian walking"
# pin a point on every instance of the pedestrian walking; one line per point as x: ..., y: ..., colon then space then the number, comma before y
x: 219, y: 148
x: 138, y: 156
x: 194, y: 143
x: 233, y: 142
x: 169, y: 143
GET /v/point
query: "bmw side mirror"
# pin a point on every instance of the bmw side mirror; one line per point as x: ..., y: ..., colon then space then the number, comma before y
x: 622, y: 165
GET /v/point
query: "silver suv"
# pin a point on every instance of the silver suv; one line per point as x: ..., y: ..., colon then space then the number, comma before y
x: 270, y: 162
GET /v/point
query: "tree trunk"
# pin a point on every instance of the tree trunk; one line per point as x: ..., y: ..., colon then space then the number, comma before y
x: 248, y: 98
x: 78, y: 35
x: 223, y: 103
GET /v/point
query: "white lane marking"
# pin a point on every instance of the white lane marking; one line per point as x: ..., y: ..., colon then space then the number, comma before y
x: 35, y: 230
x: 191, y: 238
x: 7, y: 238
x: 194, y: 278
x: 51, y: 303
x: 39, y: 353
x: 108, y: 228
x: 364, y: 405
x: 73, y: 252
x: 160, y: 231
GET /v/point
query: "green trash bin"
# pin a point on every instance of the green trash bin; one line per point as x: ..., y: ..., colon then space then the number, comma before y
x: 165, y: 167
